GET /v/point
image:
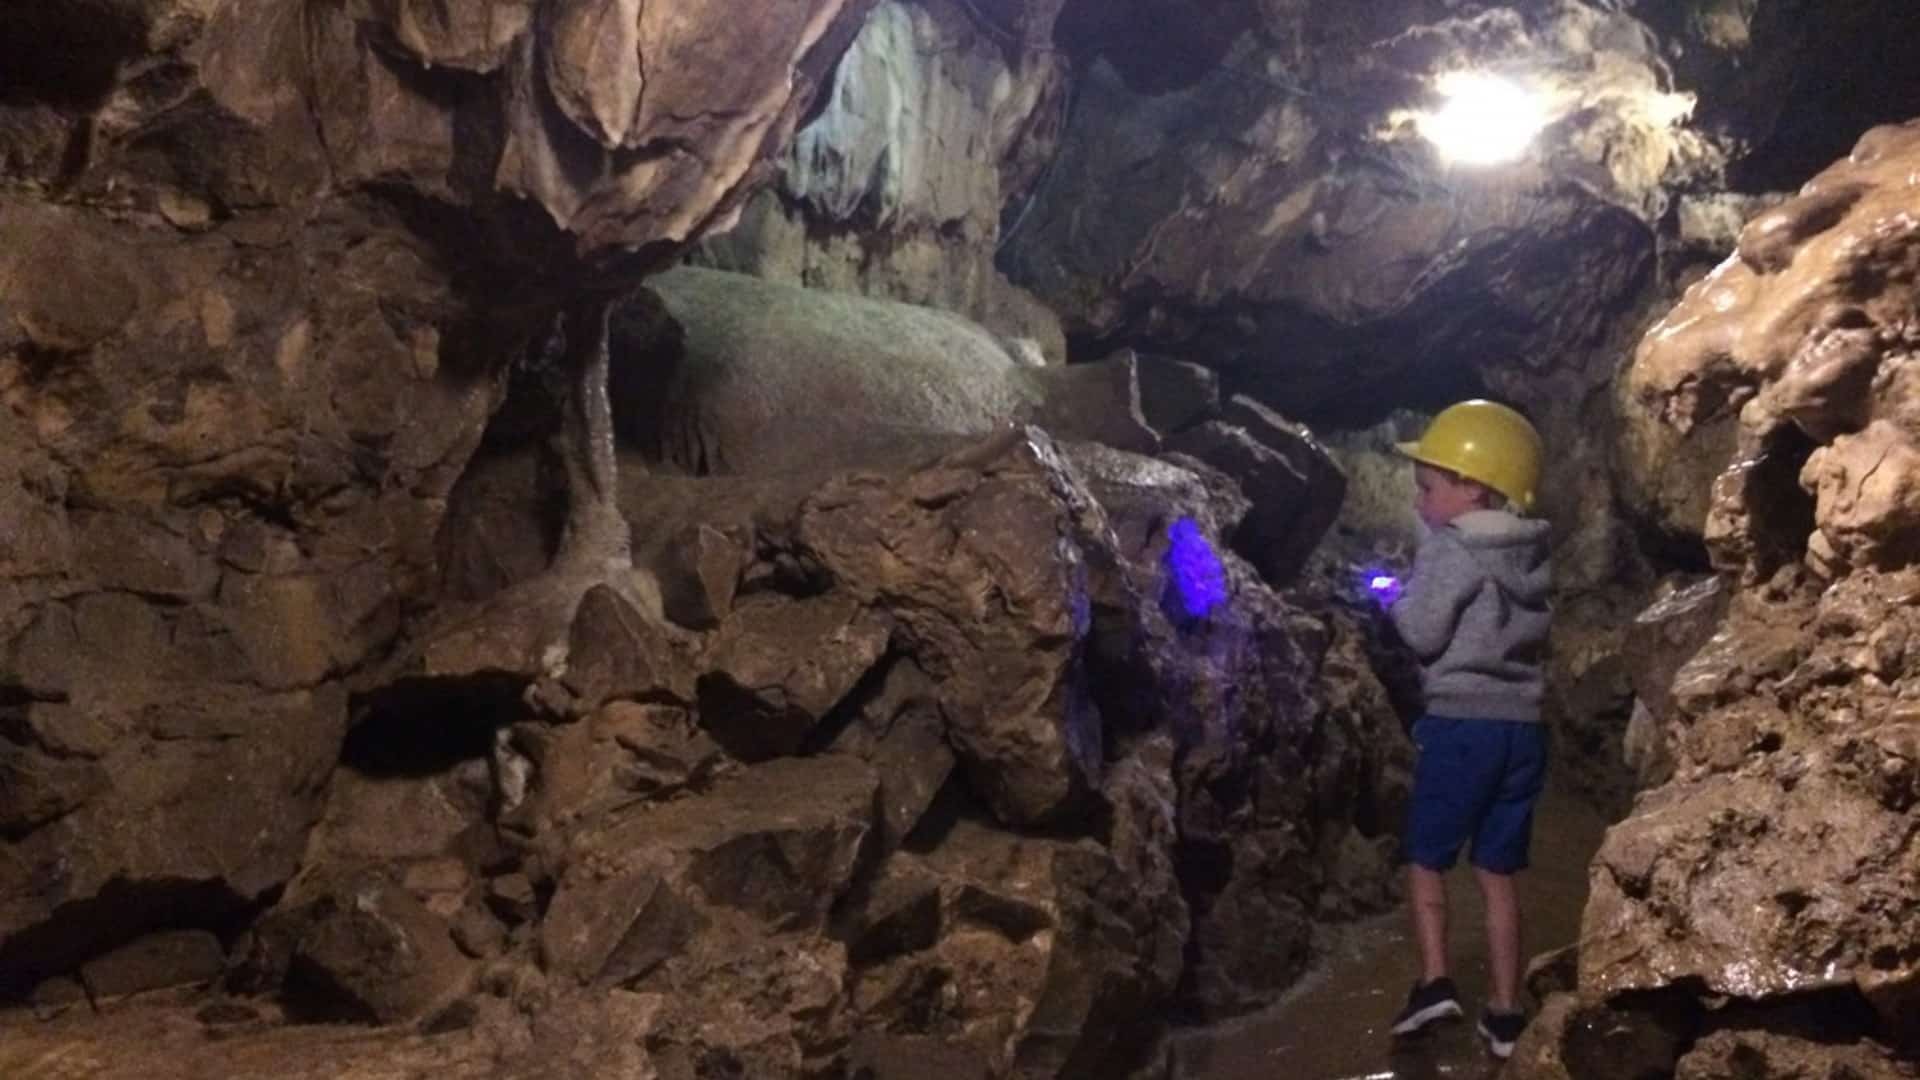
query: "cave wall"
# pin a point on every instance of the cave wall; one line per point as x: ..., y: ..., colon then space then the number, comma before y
x: 268, y: 272
x: 1759, y: 896
x: 276, y: 281
x: 263, y: 267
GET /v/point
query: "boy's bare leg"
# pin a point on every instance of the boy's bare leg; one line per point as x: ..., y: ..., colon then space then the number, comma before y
x: 1503, y: 938
x: 1427, y: 890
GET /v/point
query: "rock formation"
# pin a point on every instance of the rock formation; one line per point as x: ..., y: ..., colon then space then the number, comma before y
x: 436, y: 637
x: 262, y: 266
x: 1764, y: 892
x: 934, y: 760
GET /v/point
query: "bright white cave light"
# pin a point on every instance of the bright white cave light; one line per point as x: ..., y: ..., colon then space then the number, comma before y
x: 1486, y: 120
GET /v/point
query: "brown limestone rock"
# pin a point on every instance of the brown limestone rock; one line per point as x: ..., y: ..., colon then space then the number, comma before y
x: 1024, y: 945
x: 1759, y: 883
x: 1574, y: 1037
x: 616, y: 653
x: 370, y: 950
x: 1759, y: 1055
x: 1802, y: 330
x: 1175, y: 394
x: 968, y: 557
x: 1776, y: 863
x: 742, y: 1001
x: 169, y: 958
x: 624, y: 752
x: 232, y: 560
x: 775, y: 670
x: 1021, y: 585
x: 899, y: 731
x: 1295, y: 486
x: 775, y: 843
x: 1099, y: 402
x: 153, y: 844
x: 363, y: 805
x: 1660, y: 641
x: 669, y: 751
x: 699, y: 572
x: 1784, y: 841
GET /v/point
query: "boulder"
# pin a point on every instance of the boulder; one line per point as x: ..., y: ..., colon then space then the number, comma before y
x: 967, y: 557
x: 1175, y: 394
x: 1574, y: 1037
x: 168, y: 958
x: 1026, y: 945
x: 1759, y: 1055
x: 120, y: 822
x: 1023, y: 760
x: 724, y: 374
x: 899, y: 730
x: 1295, y: 486
x: 777, y: 668
x: 1099, y: 402
x: 776, y: 843
x: 699, y: 575
x: 368, y: 950
x: 736, y: 375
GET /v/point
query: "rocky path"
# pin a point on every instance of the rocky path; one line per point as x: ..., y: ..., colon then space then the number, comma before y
x: 1334, y: 1025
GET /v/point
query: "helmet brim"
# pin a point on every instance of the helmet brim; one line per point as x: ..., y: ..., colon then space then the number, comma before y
x: 1411, y: 451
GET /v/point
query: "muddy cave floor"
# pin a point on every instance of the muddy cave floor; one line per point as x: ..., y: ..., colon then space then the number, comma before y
x: 1333, y: 1025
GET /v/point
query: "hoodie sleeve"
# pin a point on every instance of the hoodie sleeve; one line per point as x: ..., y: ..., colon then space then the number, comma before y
x: 1444, y: 580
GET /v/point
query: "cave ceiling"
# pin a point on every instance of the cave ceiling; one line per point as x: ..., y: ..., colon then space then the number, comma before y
x: 1237, y: 183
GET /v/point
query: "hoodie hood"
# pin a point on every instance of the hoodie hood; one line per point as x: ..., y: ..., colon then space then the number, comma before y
x: 1511, y: 549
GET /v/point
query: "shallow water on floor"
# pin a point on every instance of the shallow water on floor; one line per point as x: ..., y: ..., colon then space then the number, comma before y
x: 1333, y: 1025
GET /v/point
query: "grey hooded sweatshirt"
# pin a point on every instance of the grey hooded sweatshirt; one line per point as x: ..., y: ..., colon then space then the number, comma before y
x: 1475, y: 612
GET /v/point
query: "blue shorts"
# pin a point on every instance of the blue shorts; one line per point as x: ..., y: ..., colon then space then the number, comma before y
x: 1478, y: 780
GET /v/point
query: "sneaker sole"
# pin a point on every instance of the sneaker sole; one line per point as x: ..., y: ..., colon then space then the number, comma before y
x: 1501, y: 1050
x: 1440, y: 1010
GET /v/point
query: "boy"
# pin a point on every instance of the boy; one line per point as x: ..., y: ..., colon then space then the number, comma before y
x: 1475, y: 613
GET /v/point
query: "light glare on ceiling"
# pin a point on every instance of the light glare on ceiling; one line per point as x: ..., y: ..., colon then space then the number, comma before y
x: 1486, y: 120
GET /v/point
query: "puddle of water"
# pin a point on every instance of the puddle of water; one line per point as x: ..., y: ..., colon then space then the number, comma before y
x: 1333, y: 1024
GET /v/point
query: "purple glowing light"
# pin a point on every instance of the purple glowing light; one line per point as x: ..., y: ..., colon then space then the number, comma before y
x: 1384, y: 587
x: 1198, y: 580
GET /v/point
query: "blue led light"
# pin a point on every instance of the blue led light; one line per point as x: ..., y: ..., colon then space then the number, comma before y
x: 1384, y: 587
x: 1199, y: 580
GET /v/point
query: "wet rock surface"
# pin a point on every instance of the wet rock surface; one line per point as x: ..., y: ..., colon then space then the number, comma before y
x: 345, y: 666
x: 245, y: 253
x: 966, y: 760
x: 1760, y: 895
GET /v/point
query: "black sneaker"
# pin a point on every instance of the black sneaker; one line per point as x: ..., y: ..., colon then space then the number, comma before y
x: 1427, y: 1002
x: 1502, y: 1030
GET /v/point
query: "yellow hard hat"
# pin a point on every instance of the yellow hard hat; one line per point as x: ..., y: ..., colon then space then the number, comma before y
x: 1487, y: 442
